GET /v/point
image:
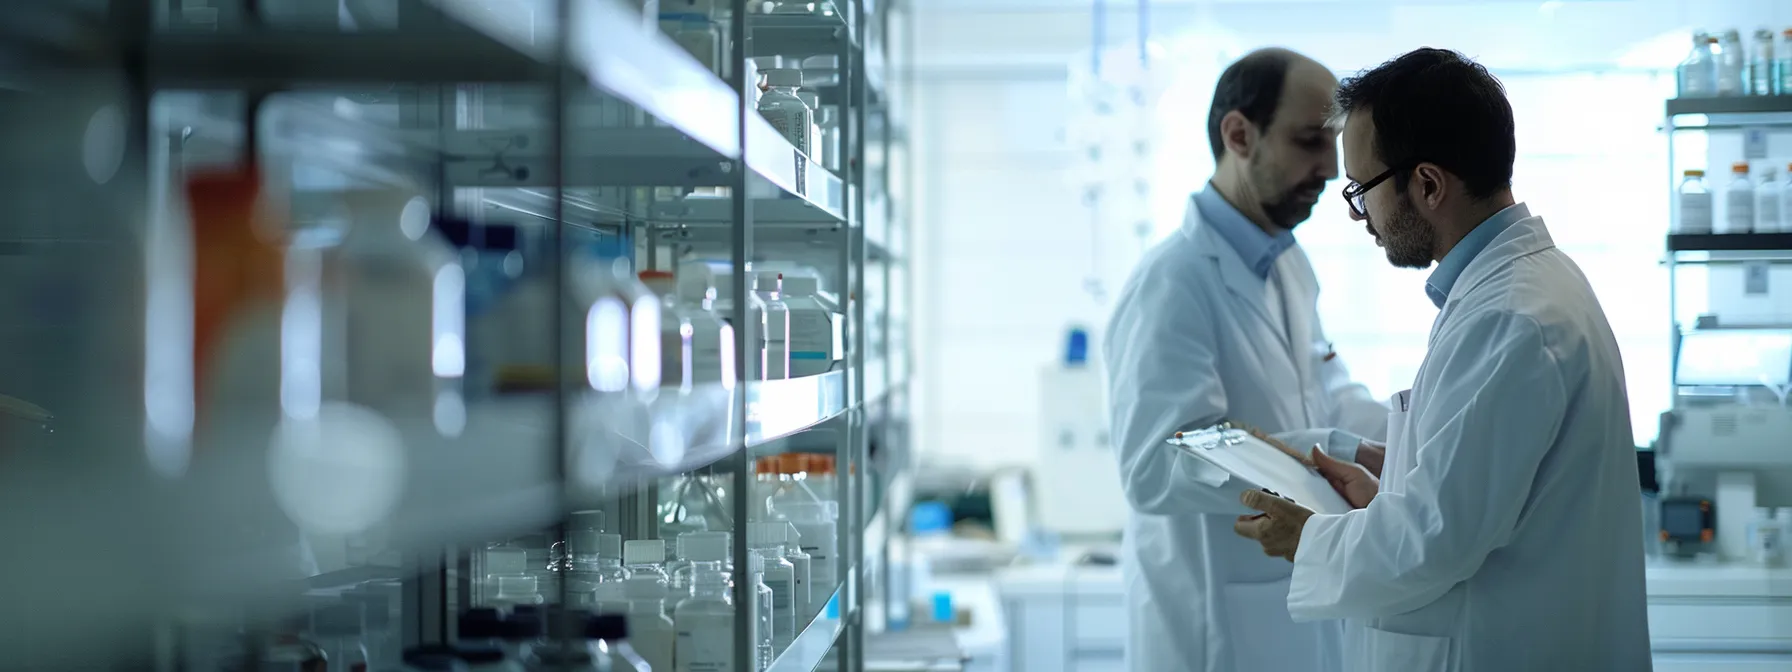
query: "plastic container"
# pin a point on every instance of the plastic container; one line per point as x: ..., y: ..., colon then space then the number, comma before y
x: 768, y: 287
x: 1739, y: 202
x: 767, y: 630
x: 778, y: 575
x: 813, y: 328
x: 1731, y: 60
x: 1766, y: 538
x: 705, y: 619
x: 1698, y: 73
x: 1768, y: 195
x: 755, y: 328
x: 594, y: 558
x: 650, y: 629
x: 816, y: 525
x: 1695, y: 206
x: 787, y: 112
x: 712, y: 339
x: 815, y: 151
x: 1784, y: 188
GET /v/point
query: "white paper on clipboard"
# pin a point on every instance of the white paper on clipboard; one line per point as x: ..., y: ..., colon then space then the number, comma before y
x: 1259, y: 465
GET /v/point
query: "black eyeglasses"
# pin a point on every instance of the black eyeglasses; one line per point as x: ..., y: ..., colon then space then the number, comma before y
x: 1354, y: 192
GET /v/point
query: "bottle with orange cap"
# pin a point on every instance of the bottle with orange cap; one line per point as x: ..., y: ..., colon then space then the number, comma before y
x: 1739, y: 202
x: 1783, y: 190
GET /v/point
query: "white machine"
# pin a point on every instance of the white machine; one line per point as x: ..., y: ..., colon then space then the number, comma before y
x: 1729, y: 440
x: 1078, y: 480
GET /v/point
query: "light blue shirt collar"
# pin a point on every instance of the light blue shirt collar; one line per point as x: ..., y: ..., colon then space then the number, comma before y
x: 1258, y: 249
x: 1456, y: 261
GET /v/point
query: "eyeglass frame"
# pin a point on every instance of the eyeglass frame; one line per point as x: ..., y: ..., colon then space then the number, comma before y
x: 1355, y: 191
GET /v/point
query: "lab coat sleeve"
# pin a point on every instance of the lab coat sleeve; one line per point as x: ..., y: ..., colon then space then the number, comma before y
x: 1488, y: 408
x: 1161, y: 379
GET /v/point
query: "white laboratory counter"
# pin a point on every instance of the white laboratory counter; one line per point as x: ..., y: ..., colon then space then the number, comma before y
x: 1709, y: 617
x: 1064, y: 618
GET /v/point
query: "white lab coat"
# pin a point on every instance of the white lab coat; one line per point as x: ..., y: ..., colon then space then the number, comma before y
x: 1190, y: 342
x: 1506, y: 534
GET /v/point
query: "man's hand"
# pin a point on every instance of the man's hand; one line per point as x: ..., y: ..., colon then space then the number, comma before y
x: 1278, y: 445
x: 1372, y: 454
x: 1277, y: 528
x: 1352, y: 481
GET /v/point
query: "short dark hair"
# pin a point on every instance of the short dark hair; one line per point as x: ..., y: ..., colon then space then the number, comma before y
x: 1437, y: 106
x: 1253, y: 86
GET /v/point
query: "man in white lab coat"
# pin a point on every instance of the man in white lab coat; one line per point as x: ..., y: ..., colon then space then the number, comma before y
x: 1503, y: 534
x: 1220, y: 322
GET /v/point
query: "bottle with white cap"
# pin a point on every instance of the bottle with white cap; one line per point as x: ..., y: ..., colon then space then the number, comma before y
x: 815, y: 522
x: 507, y: 578
x: 813, y: 327
x: 649, y: 627
x: 767, y: 630
x: 704, y: 620
x: 769, y: 287
x: 594, y: 557
x: 643, y: 557
x: 1767, y: 201
x: 788, y: 114
x: 779, y: 576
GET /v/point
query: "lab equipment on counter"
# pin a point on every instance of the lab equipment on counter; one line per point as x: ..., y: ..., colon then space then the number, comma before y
x: 1739, y: 202
x: 1257, y: 464
x: 1766, y: 538
x: 1688, y: 525
x: 1695, y: 207
x: 1074, y: 451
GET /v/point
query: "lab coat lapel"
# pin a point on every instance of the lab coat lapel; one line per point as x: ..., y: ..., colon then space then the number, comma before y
x: 1244, y: 286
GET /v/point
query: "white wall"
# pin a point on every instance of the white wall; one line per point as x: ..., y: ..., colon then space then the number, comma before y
x: 1002, y: 242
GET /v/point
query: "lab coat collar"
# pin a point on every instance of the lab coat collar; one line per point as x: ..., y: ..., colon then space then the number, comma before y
x: 1520, y: 239
x: 1257, y: 249
x: 1453, y: 264
x: 1243, y: 282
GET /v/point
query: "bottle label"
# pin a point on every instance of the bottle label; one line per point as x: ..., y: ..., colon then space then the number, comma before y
x: 1695, y: 213
x: 793, y: 123
x: 781, y: 591
x: 1741, y: 215
x: 811, y: 336
x: 705, y: 643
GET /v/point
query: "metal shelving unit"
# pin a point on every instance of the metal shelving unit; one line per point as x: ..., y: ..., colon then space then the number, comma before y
x: 1719, y: 115
x: 542, y: 134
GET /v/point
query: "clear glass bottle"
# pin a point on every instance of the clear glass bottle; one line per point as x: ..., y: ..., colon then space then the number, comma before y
x: 1698, y: 73
x: 1767, y: 201
x: 649, y: 627
x: 1739, y: 202
x: 1731, y: 59
x: 754, y: 330
x: 705, y: 619
x: 768, y: 286
x: 712, y: 340
x: 677, y: 334
x: 1761, y: 79
x: 1783, y: 64
x: 1695, y: 206
x: 779, y: 576
x: 643, y: 559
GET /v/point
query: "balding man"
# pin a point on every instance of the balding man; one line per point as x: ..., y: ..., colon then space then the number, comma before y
x: 1220, y: 322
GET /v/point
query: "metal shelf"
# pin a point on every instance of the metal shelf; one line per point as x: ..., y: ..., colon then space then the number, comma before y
x: 1730, y: 242
x: 812, y: 645
x: 799, y: 35
x: 1730, y: 105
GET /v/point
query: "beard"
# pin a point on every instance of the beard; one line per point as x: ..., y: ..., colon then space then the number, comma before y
x: 1406, y: 237
x: 1282, y: 205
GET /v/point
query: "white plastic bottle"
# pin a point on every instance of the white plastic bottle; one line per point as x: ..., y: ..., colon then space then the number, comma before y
x: 1739, y: 202
x: 1730, y: 64
x: 803, y: 571
x: 712, y: 339
x: 1767, y: 201
x: 1760, y: 64
x: 779, y: 575
x: 1698, y: 73
x: 642, y: 558
x: 811, y: 336
x: 649, y: 627
x: 787, y: 113
x: 595, y: 557
x: 1765, y: 538
x: 767, y: 630
x: 754, y: 330
x: 705, y: 619
x: 768, y: 286
x: 677, y: 335
x: 1695, y: 207
x: 1784, y: 188
x: 812, y: 100
x: 815, y: 522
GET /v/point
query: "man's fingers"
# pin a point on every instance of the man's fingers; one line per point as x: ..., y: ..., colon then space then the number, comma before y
x: 1251, y: 527
x: 1265, y: 502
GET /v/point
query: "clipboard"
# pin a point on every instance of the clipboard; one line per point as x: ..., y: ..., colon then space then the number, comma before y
x: 1259, y: 465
